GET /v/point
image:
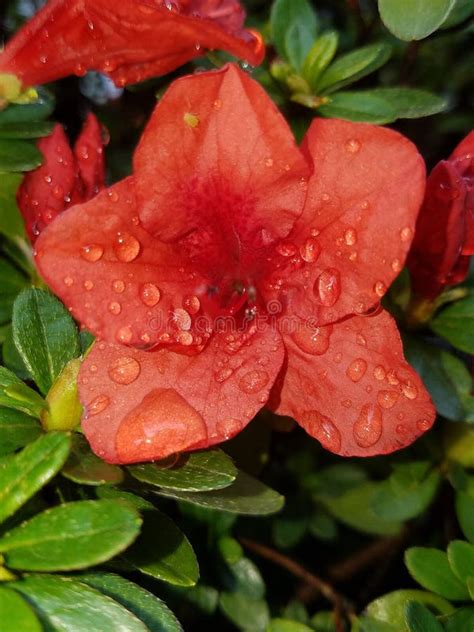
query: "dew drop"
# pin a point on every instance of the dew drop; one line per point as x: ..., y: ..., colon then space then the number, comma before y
x: 113, y: 195
x: 192, y: 304
x: 88, y: 284
x: 380, y: 288
x: 356, y: 370
x: 312, y: 340
x: 392, y: 378
x: 352, y: 146
x: 126, y: 247
x: 97, y: 405
x: 191, y: 120
x: 327, y: 288
x: 118, y: 286
x: 387, y: 399
x: 379, y: 373
x: 124, y: 370
x: 68, y: 281
x: 323, y: 429
x: 409, y: 390
x: 92, y: 253
x: 368, y: 427
x: 150, y: 294
x: 396, y: 265
x: 310, y: 250
x: 114, y: 308
x: 254, y: 381
x: 182, y: 319
x: 125, y: 334
x: 223, y: 374
x: 423, y: 425
x: 286, y: 249
x: 406, y: 234
x: 269, y: 162
x: 350, y: 237
x: 185, y: 338
x: 361, y: 340
x: 217, y: 104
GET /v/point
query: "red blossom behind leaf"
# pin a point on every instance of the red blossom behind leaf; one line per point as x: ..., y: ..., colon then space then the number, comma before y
x: 130, y: 40
x: 444, y: 239
x: 234, y: 270
x: 66, y: 176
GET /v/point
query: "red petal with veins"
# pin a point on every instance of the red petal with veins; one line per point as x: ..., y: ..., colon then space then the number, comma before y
x: 358, y: 222
x: 143, y: 406
x: 143, y: 36
x: 349, y: 386
x: 42, y: 194
x: 89, y: 154
x: 119, y: 281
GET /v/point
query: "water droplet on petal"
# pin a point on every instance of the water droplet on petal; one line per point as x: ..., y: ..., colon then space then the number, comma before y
x: 396, y: 265
x: 113, y: 195
x: 323, y: 429
x: 184, y: 338
x: 223, y: 374
x: 368, y: 427
x: 387, y: 399
x: 92, y: 253
x: 150, y: 294
x: 124, y: 370
x: 361, y: 340
x: 379, y: 373
x: 352, y: 146
x: 392, y: 378
x: 97, y: 405
x: 423, y: 425
x: 191, y: 120
x: 192, y: 304
x: 409, y: 390
x: 350, y: 237
x: 125, y: 334
x: 68, y: 281
x: 254, y: 381
x: 356, y: 370
x: 406, y: 234
x: 286, y: 249
x: 88, y: 284
x: 312, y: 340
x: 118, y: 286
x: 182, y: 319
x: 380, y: 288
x: 327, y: 288
x: 269, y: 162
x: 310, y: 250
x: 114, y: 308
x: 126, y: 247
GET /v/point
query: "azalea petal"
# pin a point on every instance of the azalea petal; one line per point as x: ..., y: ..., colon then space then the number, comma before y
x: 44, y: 192
x: 217, y: 157
x: 142, y: 406
x: 105, y: 36
x: 434, y: 259
x: 349, y: 386
x: 358, y: 222
x: 117, y: 279
x: 465, y: 149
x: 89, y: 153
x: 463, y: 160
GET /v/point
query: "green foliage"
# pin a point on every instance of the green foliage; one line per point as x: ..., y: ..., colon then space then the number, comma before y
x: 414, y: 19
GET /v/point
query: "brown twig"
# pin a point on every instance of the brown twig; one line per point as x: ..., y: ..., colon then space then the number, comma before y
x: 342, y: 606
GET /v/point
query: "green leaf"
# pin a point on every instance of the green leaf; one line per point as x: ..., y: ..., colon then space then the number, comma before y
x: 24, y: 474
x: 353, y: 66
x: 354, y: 508
x: 16, y: 430
x: 18, y: 155
x: 45, y: 335
x: 68, y: 605
x: 454, y: 323
x: 358, y: 107
x: 320, y: 56
x: 247, y: 613
x: 15, y: 394
x: 461, y: 559
x: 407, y: 493
x: 72, y: 536
x: 163, y: 551
x: 244, y: 577
x: 410, y: 103
x: 285, y: 16
x: 298, y: 41
x: 15, y: 613
x: 285, y: 625
x: 40, y: 109
x: 420, y: 619
x: 246, y: 495
x: 465, y: 514
x: 195, y: 472
x: 430, y: 568
x: 414, y: 19
x: 84, y: 467
x: 113, y: 493
x: 11, y: 222
x: 461, y: 621
x: 391, y: 607
x: 33, y: 129
x: 154, y: 613
x: 11, y: 358
x: 461, y: 11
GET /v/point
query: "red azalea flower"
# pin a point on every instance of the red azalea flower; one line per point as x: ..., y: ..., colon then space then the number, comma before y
x: 236, y: 275
x: 444, y: 238
x: 130, y: 40
x: 66, y: 176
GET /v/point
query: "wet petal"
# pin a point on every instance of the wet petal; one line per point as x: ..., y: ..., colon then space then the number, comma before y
x: 142, y: 406
x: 349, y: 386
x: 89, y: 154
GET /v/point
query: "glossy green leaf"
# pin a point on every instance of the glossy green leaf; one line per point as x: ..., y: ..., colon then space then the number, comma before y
x: 11, y: 222
x: 465, y: 514
x: 410, y: 103
x: 461, y: 559
x: 431, y: 569
x: 105, y: 491
x: 420, y: 619
x: 353, y: 66
x: 298, y: 41
x: 414, y: 19
x: 246, y: 495
x: 244, y: 577
x: 33, y: 129
x: 320, y: 56
x: 358, y: 107
x: 16, y: 615
x: 247, y: 613
x: 454, y: 323
x: 461, y: 621
x: 18, y: 155
x: 461, y: 11
x: 285, y: 625
x: 45, y: 335
x: 72, y: 536
x: 198, y: 471
x: 36, y: 111
x: 16, y: 430
x: 84, y: 467
x: 67, y: 605
x: 16, y: 394
x: 163, y: 551
x: 285, y: 16
x: 368, y: 624
x: 25, y: 473
x: 154, y: 613
x: 11, y: 358
x: 391, y: 608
